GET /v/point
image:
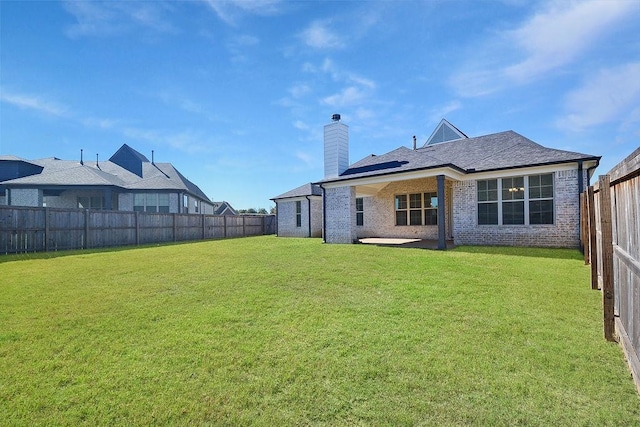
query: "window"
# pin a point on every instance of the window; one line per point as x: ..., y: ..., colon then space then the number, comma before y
x: 94, y: 202
x: 541, y: 199
x: 513, y: 200
x: 151, y: 202
x: 401, y: 209
x: 298, y: 213
x: 196, y: 206
x: 359, y: 211
x: 417, y: 209
x: 430, y: 208
x: 185, y: 203
x: 488, y: 202
x: 523, y: 200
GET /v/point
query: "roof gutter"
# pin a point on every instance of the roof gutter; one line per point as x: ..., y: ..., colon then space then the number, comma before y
x: 457, y: 169
x: 324, y: 214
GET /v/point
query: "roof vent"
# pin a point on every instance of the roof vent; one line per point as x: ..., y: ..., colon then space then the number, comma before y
x: 335, y: 117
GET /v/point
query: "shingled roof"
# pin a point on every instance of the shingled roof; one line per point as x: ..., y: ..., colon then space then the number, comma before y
x: 149, y: 176
x: 498, y: 151
x: 308, y: 189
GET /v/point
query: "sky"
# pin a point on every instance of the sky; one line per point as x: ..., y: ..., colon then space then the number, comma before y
x: 235, y: 94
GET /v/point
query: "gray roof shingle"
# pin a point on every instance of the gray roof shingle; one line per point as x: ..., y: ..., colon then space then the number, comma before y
x: 155, y: 176
x: 504, y: 150
x: 308, y: 189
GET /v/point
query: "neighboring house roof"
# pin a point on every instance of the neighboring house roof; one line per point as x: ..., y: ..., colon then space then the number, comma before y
x: 139, y: 174
x: 498, y: 151
x: 223, y: 208
x: 308, y: 189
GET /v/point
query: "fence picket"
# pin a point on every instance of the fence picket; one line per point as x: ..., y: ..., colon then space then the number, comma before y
x: 29, y: 229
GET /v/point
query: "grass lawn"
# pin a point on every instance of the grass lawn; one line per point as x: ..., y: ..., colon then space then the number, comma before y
x: 279, y: 331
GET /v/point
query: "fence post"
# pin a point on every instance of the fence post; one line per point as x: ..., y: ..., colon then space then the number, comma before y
x: 584, y: 227
x: 593, y: 237
x: 244, y: 231
x: 46, y: 229
x: 175, y: 228
x: 86, y: 229
x: 137, y: 219
x: 607, y: 257
x: 225, y: 225
x: 203, y: 236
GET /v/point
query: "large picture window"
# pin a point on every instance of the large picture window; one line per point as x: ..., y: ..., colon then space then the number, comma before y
x: 416, y: 209
x: 151, y: 202
x: 522, y: 200
x: 93, y: 202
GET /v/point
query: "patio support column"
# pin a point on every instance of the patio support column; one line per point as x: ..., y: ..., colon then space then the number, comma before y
x: 442, y: 236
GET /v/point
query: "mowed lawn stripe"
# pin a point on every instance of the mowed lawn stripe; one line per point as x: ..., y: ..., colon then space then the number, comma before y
x: 275, y: 331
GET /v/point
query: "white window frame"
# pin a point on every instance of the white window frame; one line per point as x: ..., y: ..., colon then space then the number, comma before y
x: 526, y: 200
x: 415, y: 205
x: 298, y: 213
x: 151, y: 203
x: 359, y: 212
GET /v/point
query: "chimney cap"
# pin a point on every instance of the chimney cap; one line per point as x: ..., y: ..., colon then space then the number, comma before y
x: 335, y: 117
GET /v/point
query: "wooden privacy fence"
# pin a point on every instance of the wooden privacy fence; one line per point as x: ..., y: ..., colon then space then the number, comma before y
x: 24, y: 229
x: 611, y: 241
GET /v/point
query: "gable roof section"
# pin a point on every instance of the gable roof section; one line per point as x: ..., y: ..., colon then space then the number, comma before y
x: 129, y: 159
x: 223, y: 208
x: 308, y: 189
x: 504, y: 150
x: 12, y: 167
x: 445, y: 132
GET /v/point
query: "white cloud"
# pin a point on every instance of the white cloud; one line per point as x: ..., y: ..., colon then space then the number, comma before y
x: 299, y: 90
x: 32, y: 102
x: 300, y: 125
x: 559, y: 34
x: 100, y: 18
x: 319, y: 36
x: 306, y: 158
x: 229, y: 10
x: 437, y: 114
x: 609, y: 95
x: 349, y: 96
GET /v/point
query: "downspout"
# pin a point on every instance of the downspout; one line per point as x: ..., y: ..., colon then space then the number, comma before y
x: 580, y: 177
x: 580, y: 191
x: 277, y: 218
x: 324, y: 215
x: 309, y: 207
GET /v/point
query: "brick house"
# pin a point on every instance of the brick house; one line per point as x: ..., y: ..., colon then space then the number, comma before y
x: 128, y: 181
x: 300, y: 212
x: 497, y: 189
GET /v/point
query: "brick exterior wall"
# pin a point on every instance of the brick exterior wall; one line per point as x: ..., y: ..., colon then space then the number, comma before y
x: 341, y: 215
x: 26, y: 197
x: 380, y: 215
x: 287, y: 217
x: 564, y: 233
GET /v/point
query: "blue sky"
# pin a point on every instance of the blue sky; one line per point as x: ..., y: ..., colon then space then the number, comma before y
x: 235, y: 94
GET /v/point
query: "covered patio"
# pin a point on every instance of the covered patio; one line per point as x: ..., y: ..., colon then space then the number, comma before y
x: 406, y: 243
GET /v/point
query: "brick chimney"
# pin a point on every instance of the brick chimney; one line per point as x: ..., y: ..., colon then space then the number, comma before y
x: 336, y: 147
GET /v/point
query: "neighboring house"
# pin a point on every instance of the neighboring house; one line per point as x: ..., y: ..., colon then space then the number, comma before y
x: 128, y: 181
x: 299, y: 212
x: 497, y: 189
x: 223, y: 208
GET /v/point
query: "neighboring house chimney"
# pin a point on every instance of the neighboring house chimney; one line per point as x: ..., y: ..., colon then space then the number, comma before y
x: 336, y: 147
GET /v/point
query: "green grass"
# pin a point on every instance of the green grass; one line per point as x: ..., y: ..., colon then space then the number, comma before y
x: 277, y: 331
